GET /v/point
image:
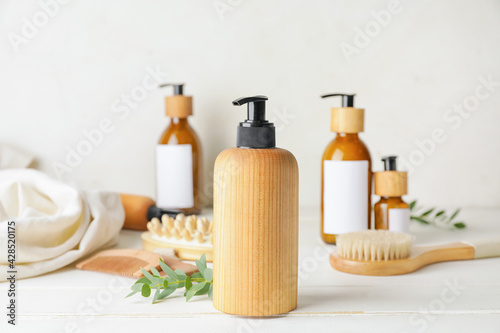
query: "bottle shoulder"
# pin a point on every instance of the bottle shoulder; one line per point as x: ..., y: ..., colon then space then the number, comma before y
x: 347, y: 150
x: 271, y: 156
x: 175, y: 134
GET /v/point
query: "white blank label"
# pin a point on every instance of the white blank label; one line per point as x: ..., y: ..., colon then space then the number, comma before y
x: 399, y: 219
x: 174, y: 176
x: 345, y: 196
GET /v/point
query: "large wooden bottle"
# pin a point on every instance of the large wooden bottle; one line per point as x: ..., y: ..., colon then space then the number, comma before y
x: 255, y: 221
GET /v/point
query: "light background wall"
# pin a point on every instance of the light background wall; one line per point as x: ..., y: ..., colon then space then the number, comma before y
x: 431, y: 55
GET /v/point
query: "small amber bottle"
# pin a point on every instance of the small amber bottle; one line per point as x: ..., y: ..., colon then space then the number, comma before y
x: 391, y: 212
x: 179, y: 158
x: 346, y: 174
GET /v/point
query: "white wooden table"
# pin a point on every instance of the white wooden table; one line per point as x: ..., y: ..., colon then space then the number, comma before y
x: 447, y: 297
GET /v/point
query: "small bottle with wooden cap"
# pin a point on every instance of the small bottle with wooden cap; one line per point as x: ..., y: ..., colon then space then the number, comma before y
x: 346, y: 174
x: 178, y: 157
x: 256, y: 216
x: 391, y: 212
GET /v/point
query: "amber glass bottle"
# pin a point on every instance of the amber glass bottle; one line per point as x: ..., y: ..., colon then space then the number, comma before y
x: 345, y: 174
x: 179, y: 158
x: 391, y: 212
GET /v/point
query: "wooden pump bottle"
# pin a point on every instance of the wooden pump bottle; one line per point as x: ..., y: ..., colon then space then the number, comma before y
x: 391, y: 212
x: 255, y: 221
x: 345, y: 174
x: 178, y: 157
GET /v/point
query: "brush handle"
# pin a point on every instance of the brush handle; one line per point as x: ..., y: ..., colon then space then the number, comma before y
x: 485, y: 248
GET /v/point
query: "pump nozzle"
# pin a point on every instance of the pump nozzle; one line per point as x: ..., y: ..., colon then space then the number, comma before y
x: 347, y: 99
x: 178, y: 87
x: 255, y: 131
x: 389, y: 163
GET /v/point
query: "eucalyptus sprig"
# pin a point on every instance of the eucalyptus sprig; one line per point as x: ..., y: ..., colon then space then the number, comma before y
x: 435, y: 217
x: 200, y: 283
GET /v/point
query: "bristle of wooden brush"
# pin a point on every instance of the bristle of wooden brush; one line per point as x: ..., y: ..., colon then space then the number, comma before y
x: 126, y: 266
x: 374, y: 245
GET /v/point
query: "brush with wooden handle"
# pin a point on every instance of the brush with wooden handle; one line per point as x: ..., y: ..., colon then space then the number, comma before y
x: 383, y: 252
x: 140, y: 209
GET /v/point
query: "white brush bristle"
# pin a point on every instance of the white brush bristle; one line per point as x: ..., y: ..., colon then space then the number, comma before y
x: 373, y: 245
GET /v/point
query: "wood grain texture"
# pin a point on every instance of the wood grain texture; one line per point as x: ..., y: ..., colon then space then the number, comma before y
x: 347, y: 120
x: 255, y: 231
x: 420, y: 256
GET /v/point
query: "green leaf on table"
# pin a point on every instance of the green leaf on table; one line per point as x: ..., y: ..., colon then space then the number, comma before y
x: 180, y: 273
x: 137, y: 287
x: 131, y: 294
x: 143, y: 280
x: 201, y: 264
x: 169, y: 271
x: 146, y: 290
x: 459, y: 225
x: 187, y: 283
x: 167, y: 292
x: 155, y: 271
x: 208, y: 274
x: 211, y: 290
x: 191, y: 292
x: 203, y: 290
x: 441, y: 212
x: 196, y: 275
x: 412, y: 204
x: 157, y: 294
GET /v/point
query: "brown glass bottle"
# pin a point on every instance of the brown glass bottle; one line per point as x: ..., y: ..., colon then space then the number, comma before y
x: 345, y: 147
x: 179, y: 158
x: 179, y: 132
x: 382, y: 207
x: 391, y: 212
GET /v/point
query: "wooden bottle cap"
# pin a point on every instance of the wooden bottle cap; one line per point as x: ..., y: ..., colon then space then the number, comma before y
x: 391, y: 183
x: 179, y: 106
x: 347, y: 120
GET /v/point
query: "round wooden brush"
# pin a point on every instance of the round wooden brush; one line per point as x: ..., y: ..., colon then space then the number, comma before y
x: 383, y: 252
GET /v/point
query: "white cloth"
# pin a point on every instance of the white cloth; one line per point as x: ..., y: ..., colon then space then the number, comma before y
x: 55, y: 223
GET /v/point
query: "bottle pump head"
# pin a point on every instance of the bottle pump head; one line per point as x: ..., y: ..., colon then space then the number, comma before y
x: 178, y: 105
x: 255, y: 132
x: 389, y: 163
x: 390, y: 182
x: 346, y: 119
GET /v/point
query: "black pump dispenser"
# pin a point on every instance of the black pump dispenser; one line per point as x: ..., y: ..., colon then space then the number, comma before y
x: 389, y: 163
x: 178, y: 87
x: 347, y: 99
x: 255, y: 132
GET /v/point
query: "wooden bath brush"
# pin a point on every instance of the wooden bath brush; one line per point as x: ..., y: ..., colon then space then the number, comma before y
x: 383, y: 252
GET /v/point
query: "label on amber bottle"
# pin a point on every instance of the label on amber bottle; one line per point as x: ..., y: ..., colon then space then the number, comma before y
x: 399, y: 219
x: 345, y: 196
x: 174, y: 176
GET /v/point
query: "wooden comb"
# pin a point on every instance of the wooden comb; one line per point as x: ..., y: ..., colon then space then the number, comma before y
x: 128, y: 262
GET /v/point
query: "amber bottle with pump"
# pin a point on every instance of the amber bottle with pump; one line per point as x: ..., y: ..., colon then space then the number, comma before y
x: 179, y: 157
x: 391, y: 212
x: 346, y: 174
x: 255, y: 220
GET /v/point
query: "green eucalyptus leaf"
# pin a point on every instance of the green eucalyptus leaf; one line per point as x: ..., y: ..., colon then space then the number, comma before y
x: 419, y: 219
x: 157, y: 294
x: 454, y: 215
x: 412, y: 204
x: 208, y: 274
x: 169, y: 271
x: 427, y: 212
x: 191, y: 292
x: 459, y: 225
x: 155, y: 271
x: 196, y: 275
x: 211, y: 290
x: 137, y: 287
x: 203, y: 290
x: 180, y: 273
x: 146, y: 290
x: 143, y: 280
x: 167, y: 292
x: 165, y: 284
x: 200, y: 266
x: 441, y: 212
x: 188, y: 283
